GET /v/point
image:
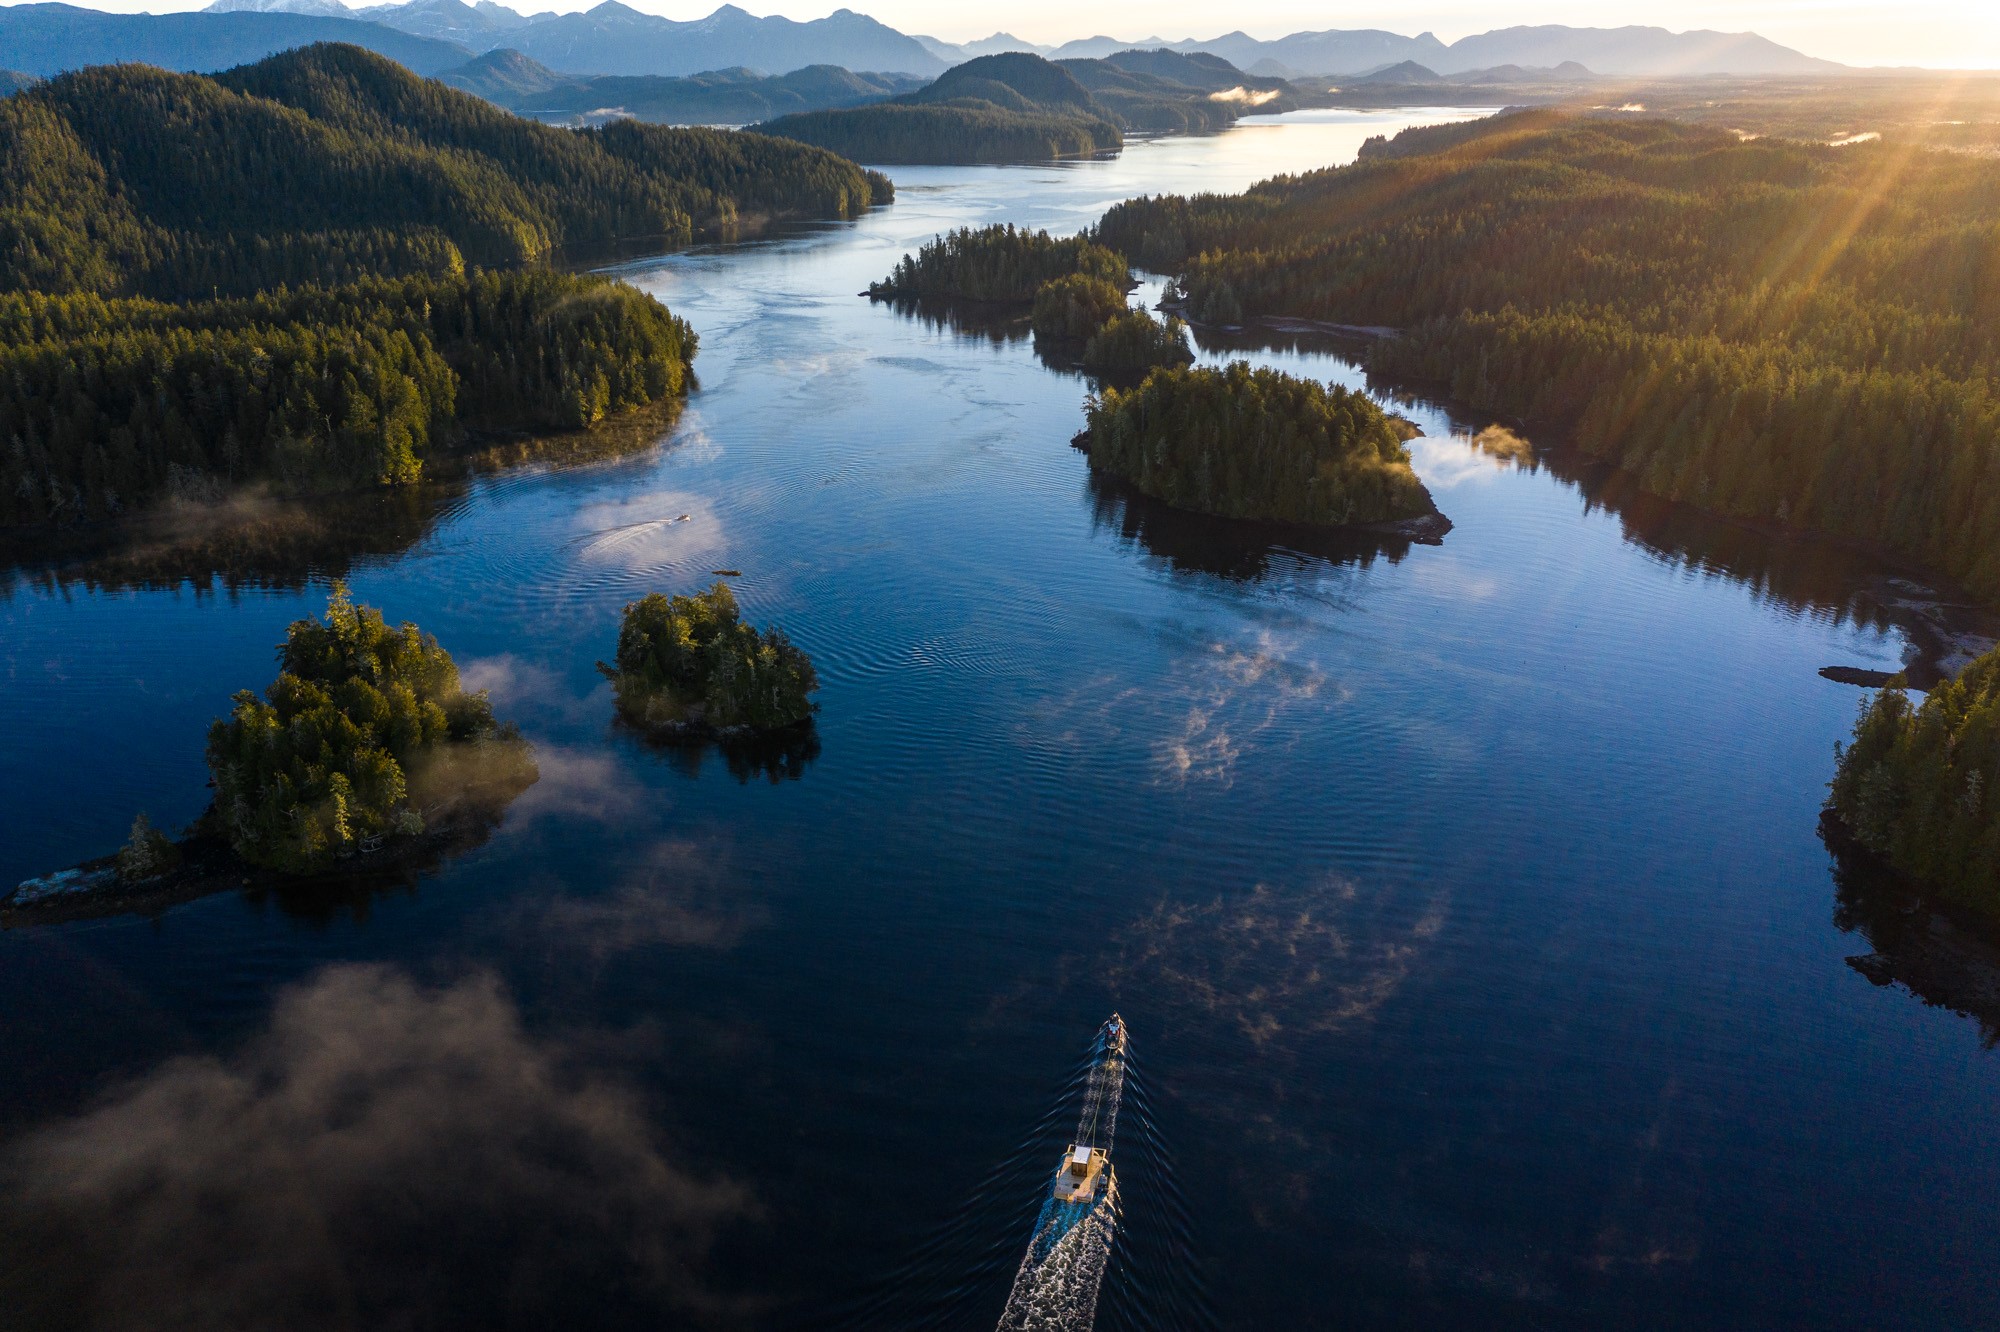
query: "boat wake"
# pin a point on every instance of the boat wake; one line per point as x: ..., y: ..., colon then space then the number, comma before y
x: 1057, y: 1286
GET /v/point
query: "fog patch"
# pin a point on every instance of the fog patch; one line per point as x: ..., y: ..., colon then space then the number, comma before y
x: 1448, y: 462
x: 1242, y: 96
x: 580, y: 784
x: 518, y: 687
x: 382, y: 1155
x: 682, y: 896
x: 692, y: 443
x: 1503, y: 445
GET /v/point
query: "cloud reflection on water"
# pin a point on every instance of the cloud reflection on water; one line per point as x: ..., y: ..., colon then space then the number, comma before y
x: 381, y: 1155
x: 1240, y: 694
x: 1279, y: 964
x: 650, y: 532
x: 682, y: 895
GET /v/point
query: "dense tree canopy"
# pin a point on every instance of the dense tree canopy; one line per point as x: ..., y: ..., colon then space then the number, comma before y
x: 1260, y: 444
x: 1073, y: 307
x: 273, y: 275
x: 894, y: 134
x: 328, y: 163
x: 998, y: 263
x: 108, y: 404
x: 1133, y: 342
x: 689, y: 665
x: 1771, y: 329
x: 1086, y: 317
x: 366, y: 734
x: 1918, y: 784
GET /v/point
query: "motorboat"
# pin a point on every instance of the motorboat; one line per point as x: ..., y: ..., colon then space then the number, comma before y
x: 1086, y: 1163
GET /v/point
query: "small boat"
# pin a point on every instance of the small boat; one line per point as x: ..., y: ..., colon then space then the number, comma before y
x: 1086, y: 1165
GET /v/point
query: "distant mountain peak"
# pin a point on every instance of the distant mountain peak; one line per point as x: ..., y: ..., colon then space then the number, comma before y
x: 316, y: 8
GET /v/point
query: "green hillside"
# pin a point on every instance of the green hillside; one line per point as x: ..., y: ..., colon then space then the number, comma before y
x: 272, y: 276
x: 1000, y: 108
x: 330, y: 163
x: 1019, y: 107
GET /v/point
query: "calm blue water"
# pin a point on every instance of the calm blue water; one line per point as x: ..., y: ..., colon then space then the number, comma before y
x: 1464, y: 901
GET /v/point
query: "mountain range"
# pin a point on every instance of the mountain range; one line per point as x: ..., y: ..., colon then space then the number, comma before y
x: 615, y: 39
x: 1615, y: 51
x: 715, y: 97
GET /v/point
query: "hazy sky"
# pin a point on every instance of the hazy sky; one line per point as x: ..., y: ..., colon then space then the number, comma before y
x: 1943, y: 33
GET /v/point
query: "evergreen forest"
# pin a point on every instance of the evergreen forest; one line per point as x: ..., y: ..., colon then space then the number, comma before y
x: 1089, y: 316
x: 689, y: 666
x: 1134, y: 342
x: 1917, y: 785
x: 998, y: 264
x: 1256, y: 444
x: 109, y: 405
x: 313, y: 271
x: 365, y: 736
x: 327, y: 164
x: 895, y: 134
x: 1771, y: 329
x: 1073, y: 307
x: 1012, y: 107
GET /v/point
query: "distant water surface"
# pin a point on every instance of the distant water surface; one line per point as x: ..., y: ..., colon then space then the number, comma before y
x: 1464, y: 900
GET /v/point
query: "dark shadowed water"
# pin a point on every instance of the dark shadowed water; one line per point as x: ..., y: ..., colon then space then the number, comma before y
x: 1464, y: 901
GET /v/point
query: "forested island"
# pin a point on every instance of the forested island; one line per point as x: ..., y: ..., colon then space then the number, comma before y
x: 687, y: 667
x: 998, y: 264
x: 365, y: 753
x: 1087, y: 318
x: 1917, y: 785
x: 1773, y: 330
x: 1260, y: 445
x: 1133, y: 342
x: 272, y: 275
x: 114, y: 404
x: 366, y: 735
x: 1075, y: 291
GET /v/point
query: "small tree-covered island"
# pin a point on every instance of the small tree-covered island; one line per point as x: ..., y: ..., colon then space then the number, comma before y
x: 1261, y: 445
x: 1074, y: 287
x: 998, y: 264
x: 1917, y: 785
x: 366, y: 735
x: 688, y: 668
x: 366, y: 750
x: 1087, y: 317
